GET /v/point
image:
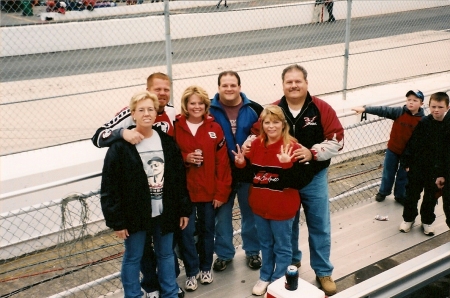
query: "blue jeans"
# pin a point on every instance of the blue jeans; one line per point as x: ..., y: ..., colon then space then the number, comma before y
x: 203, y: 258
x: 393, y: 172
x: 149, y: 280
x: 134, y: 249
x: 165, y: 280
x: 275, y: 240
x: 223, y: 245
x: 316, y: 206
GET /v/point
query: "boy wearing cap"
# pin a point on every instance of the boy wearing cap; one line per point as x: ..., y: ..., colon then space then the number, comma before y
x: 405, y: 120
x: 423, y: 160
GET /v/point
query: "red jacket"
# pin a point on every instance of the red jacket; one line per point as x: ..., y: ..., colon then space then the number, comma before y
x: 270, y: 197
x: 212, y: 180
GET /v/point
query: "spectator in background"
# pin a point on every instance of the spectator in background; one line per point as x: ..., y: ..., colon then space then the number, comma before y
x: 220, y: 1
x: 405, y: 121
x: 204, y: 151
x: 236, y: 115
x: 329, y: 5
x: 130, y: 207
x: 318, y: 11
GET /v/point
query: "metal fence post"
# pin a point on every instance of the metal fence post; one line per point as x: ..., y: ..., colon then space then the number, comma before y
x: 347, y: 46
x: 168, y: 46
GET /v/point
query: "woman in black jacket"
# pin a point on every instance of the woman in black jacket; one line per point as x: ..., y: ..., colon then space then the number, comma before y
x: 132, y: 206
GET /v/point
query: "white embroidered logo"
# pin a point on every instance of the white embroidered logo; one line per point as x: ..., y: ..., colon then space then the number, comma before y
x: 212, y: 135
x: 310, y: 121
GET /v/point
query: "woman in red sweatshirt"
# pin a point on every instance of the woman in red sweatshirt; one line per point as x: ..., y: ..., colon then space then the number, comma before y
x: 208, y: 175
x: 271, y: 197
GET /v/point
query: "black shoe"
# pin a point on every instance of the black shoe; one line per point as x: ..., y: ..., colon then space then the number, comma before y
x: 401, y: 201
x: 254, y: 262
x: 379, y: 197
x: 297, y: 264
x: 331, y: 21
x: 220, y: 265
x: 180, y: 293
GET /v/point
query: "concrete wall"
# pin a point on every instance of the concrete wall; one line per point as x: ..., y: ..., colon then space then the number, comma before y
x: 68, y: 36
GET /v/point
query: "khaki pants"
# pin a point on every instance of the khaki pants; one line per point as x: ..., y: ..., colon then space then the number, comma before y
x: 318, y: 13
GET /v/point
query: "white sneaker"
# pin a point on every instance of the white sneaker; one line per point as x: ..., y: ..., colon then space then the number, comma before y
x: 260, y: 288
x: 406, y: 226
x: 191, y: 283
x: 428, y: 229
x: 206, y: 277
x: 154, y: 294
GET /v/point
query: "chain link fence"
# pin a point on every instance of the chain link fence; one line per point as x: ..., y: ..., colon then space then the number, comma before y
x: 63, y: 247
x: 63, y: 75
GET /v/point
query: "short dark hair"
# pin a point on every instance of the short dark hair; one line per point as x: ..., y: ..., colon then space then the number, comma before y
x: 229, y: 73
x: 294, y: 67
x: 440, y: 96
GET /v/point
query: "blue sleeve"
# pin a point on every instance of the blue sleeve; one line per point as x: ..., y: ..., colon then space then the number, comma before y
x: 387, y: 112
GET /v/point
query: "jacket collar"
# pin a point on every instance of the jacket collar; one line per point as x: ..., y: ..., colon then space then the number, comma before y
x: 215, y: 102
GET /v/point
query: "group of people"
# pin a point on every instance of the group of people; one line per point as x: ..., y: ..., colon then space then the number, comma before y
x: 168, y: 178
x: 416, y: 157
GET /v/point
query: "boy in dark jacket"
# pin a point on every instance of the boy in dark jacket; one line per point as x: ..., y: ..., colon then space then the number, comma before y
x: 405, y: 120
x: 422, y: 159
x: 444, y: 165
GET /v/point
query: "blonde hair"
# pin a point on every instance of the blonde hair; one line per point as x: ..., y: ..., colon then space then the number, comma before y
x: 275, y: 113
x: 156, y: 75
x: 139, y: 96
x: 200, y: 92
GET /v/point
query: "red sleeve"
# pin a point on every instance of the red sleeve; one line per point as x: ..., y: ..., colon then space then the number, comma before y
x: 223, y: 170
x: 332, y: 127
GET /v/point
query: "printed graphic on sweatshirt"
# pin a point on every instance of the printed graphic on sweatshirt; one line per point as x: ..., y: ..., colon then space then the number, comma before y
x: 264, y: 178
x: 154, y: 167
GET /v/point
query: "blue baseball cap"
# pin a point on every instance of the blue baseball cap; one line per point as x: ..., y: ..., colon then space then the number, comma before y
x: 416, y: 93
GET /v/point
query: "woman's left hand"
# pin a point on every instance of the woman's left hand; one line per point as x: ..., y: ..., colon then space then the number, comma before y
x: 286, y: 154
x: 184, y: 222
x: 122, y: 234
x: 217, y: 204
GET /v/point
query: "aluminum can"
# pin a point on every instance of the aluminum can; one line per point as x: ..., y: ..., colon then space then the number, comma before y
x: 199, y: 151
x: 291, y: 275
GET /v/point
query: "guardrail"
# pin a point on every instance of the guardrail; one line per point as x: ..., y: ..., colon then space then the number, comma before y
x: 404, y: 278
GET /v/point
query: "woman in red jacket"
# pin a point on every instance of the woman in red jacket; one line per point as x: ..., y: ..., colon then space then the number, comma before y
x: 272, y: 198
x: 208, y: 174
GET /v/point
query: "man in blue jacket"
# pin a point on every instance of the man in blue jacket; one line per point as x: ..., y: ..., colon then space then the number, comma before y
x: 231, y: 107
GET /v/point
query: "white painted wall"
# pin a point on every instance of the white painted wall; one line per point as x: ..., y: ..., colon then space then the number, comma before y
x: 113, y: 32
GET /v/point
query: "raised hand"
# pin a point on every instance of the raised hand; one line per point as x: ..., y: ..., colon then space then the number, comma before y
x: 239, y: 155
x: 286, y: 154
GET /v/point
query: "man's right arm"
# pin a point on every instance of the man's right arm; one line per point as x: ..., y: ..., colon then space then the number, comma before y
x: 385, y: 111
x: 113, y: 129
